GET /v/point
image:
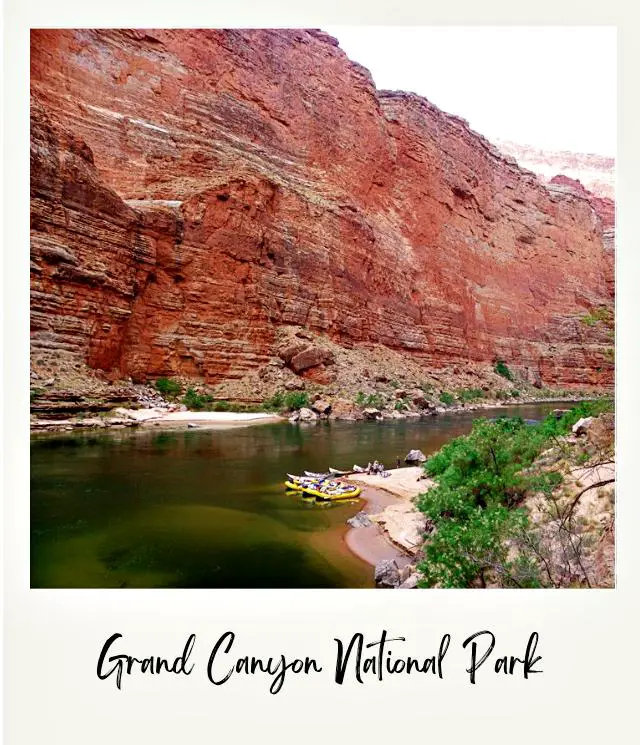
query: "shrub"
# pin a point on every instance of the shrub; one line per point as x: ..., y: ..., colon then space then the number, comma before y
x: 275, y: 403
x: 597, y: 315
x: 373, y: 400
x: 515, y: 394
x: 501, y: 368
x: 447, y: 399
x: 481, y: 477
x: 296, y: 400
x: 466, y: 395
x: 461, y: 549
x: 198, y: 402
x: 168, y: 388
x: 401, y: 404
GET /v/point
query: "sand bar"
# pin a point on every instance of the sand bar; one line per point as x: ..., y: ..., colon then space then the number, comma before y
x: 211, y: 418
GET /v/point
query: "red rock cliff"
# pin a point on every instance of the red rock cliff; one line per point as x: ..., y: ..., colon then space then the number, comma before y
x: 192, y: 191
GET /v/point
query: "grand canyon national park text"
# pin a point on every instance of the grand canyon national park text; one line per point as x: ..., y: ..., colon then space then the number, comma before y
x: 356, y: 659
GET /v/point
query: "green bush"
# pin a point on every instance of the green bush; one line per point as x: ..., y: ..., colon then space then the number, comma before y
x: 401, y: 404
x: 168, y: 388
x: 501, y: 368
x: 515, y: 394
x: 447, y: 399
x: 275, y: 403
x: 465, y: 395
x: 199, y: 402
x: 296, y: 400
x: 481, y: 479
x: 373, y: 400
x: 290, y: 401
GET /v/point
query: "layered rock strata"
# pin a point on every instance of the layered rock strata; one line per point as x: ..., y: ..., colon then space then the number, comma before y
x: 195, y: 191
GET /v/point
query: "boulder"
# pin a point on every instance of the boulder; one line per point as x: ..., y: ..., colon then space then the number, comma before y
x: 582, y: 425
x: 419, y: 399
x: 344, y: 409
x: 321, y: 407
x: 291, y: 349
x: 406, y: 571
x: 307, y: 415
x: 295, y: 417
x: 372, y: 413
x: 394, y: 415
x: 361, y: 520
x: 295, y: 384
x: 387, y: 573
x: 415, y: 456
x: 400, y: 393
x: 321, y: 375
x: 601, y: 433
x: 310, y: 357
x: 411, y: 583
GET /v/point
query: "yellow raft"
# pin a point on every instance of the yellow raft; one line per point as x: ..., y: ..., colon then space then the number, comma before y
x: 323, y: 490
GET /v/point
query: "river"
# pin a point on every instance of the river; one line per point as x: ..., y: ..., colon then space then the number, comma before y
x: 207, y: 508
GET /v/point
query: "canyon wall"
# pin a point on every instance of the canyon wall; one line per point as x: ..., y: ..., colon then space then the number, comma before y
x: 193, y: 192
x: 595, y: 172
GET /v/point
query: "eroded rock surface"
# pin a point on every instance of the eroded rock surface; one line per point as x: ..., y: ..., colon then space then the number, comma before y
x: 193, y: 191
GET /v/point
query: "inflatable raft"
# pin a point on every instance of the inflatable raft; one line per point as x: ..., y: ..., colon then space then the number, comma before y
x: 324, y: 489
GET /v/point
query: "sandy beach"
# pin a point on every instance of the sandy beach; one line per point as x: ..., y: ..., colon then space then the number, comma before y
x: 401, y: 482
x: 396, y: 532
x: 200, y: 418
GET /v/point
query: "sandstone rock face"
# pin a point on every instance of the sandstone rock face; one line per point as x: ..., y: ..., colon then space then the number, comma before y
x: 604, y: 207
x: 192, y: 191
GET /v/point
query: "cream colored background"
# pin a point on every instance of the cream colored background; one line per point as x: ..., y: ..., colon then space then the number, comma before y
x: 52, y: 638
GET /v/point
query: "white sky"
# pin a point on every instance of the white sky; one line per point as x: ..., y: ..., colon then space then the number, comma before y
x: 551, y: 87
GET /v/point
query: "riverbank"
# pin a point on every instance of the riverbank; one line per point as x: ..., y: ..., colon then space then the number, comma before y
x: 388, y: 532
x: 157, y: 418
x: 173, y: 416
x: 68, y: 396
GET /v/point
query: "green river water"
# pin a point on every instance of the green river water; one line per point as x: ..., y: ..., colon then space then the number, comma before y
x: 204, y: 508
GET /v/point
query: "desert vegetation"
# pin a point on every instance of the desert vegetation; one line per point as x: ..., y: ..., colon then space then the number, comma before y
x: 503, y: 512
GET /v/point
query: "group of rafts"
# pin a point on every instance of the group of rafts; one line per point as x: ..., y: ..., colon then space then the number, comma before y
x: 322, y: 487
